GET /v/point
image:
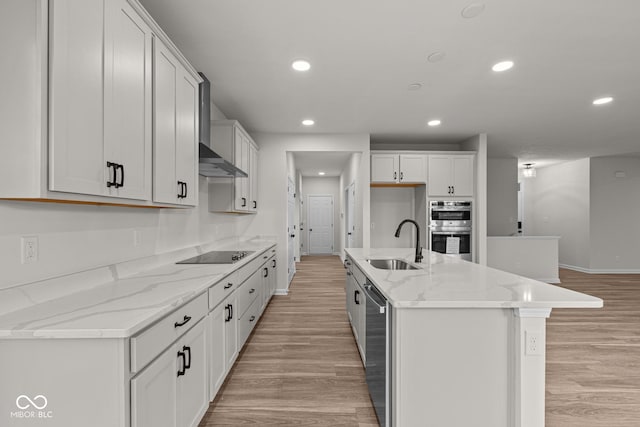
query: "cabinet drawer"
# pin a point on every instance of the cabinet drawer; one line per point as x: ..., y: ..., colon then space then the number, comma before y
x: 148, y: 344
x: 357, y: 274
x: 251, y: 267
x: 249, y: 291
x: 220, y: 290
x: 247, y: 322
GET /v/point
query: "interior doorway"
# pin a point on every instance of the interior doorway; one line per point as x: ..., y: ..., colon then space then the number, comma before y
x: 291, y: 231
x: 320, y: 224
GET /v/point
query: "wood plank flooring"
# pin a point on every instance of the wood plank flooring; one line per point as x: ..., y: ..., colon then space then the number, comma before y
x: 593, y: 355
x: 300, y: 366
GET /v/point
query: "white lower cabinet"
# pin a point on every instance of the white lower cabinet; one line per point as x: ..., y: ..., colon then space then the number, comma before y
x: 216, y: 325
x: 356, y: 305
x: 172, y: 390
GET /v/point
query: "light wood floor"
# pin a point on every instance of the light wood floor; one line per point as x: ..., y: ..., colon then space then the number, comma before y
x: 593, y: 356
x: 301, y: 366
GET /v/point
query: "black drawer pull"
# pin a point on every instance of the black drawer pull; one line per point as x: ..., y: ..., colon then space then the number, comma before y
x: 355, y: 297
x: 228, y: 285
x: 185, y: 320
x: 252, y: 290
x: 121, y: 184
x: 274, y: 263
x: 244, y: 202
x: 182, y: 370
x: 255, y: 205
x: 187, y: 363
x: 266, y: 272
x: 114, y: 168
x: 252, y: 318
x: 228, y: 314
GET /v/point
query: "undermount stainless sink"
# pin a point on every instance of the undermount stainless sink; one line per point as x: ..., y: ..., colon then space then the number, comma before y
x: 391, y: 264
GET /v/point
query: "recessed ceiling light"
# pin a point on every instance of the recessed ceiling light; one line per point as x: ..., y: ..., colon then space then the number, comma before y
x: 435, y: 122
x: 436, y: 56
x: 301, y: 65
x: 502, y: 66
x: 415, y: 86
x: 473, y: 10
x: 604, y: 100
x: 320, y: 173
x: 308, y: 122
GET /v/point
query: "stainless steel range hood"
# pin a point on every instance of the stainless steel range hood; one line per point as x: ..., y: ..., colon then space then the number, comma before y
x: 211, y: 164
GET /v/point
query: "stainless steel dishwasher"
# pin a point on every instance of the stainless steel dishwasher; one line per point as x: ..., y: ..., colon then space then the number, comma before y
x: 378, y: 352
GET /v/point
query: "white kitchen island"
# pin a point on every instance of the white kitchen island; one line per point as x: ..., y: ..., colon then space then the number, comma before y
x: 467, y: 341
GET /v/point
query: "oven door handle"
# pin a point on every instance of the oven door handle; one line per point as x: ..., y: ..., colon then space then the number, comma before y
x: 451, y: 232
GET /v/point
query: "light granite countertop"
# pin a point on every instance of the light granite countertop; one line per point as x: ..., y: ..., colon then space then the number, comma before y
x: 124, y: 306
x: 447, y: 282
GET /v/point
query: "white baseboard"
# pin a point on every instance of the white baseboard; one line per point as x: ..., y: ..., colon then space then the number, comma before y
x: 336, y: 253
x: 281, y: 292
x: 599, y: 270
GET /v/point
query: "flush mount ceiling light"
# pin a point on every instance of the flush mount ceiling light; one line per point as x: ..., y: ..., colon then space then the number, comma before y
x: 436, y: 56
x: 434, y: 122
x: 308, y: 122
x: 473, y: 10
x: 529, y: 171
x: 502, y: 66
x: 603, y: 100
x: 320, y: 173
x: 415, y: 86
x: 301, y: 65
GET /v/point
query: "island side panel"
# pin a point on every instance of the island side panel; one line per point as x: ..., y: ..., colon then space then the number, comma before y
x: 451, y: 366
x: 85, y: 382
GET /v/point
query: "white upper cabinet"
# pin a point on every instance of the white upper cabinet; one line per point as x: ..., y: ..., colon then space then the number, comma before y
x: 234, y: 144
x: 89, y: 68
x: 76, y: 63
x: 127, y: 100
x: 451, y: 175
x: 175, y: 130
x: 398, y: 168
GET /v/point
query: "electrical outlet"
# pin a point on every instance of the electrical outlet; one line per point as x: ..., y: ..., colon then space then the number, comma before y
x: 29, y: 249
x: 534, y: 343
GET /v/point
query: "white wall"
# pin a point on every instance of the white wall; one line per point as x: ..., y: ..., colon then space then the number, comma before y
x: 615, y: 214
x: 321, y: 186
x: 478, y: 144
x: 272, y: 183
x: 557, y: 203
x: 502, y: 196
x: 389, y: 206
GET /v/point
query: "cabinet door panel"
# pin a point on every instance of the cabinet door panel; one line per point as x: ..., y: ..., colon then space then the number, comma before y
x: 153, y: 393
x: 253, y: 178
x: 463, y: 175
x: 439, y: 170
x: 413, y: 168
x: 241, y: 152
x: 231, y: 332
x: 76, y: 156
x: 193, y: 396
x: 217, y: 358
x: 128, y: 98
x: 187, y: 134
x: 384, y: 167
x: 165, y: 186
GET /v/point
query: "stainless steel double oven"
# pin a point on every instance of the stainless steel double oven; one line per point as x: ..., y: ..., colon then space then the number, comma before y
x: 450, y: 228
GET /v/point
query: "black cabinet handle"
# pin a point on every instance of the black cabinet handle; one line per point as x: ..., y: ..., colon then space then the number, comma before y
x: 121, y: 183
x: 182, y: 370
x: 114, y: 168
x: 453, y: 189
x: 293, y: 235
x: 252, y: 291
x: 255, y: 205
x: 355, y: 297
x: 187, y: 363
x: 185, y: 320
x: 395, y: 175
x: 227, y: 317
x: 348, y: 273
x: 266, y: 272
x: 231, y: 308
x: 274, y: 263
x: 252, y: 318
x: 244, y: 202
x: 401, y: 175
x: 186, y: 190
x: 179, y: 189
x: 228, y: 285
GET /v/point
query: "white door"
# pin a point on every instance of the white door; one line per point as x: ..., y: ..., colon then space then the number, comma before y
x: 192, y: 388
x: 320, y: 224
x: 291, y: 231
x: 350, y: 206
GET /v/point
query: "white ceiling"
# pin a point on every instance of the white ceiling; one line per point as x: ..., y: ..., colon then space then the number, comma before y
x: 332, y: 163
x: 365, y: 54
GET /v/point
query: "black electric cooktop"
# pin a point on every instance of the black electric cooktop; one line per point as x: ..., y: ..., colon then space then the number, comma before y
x: 217, y: 257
